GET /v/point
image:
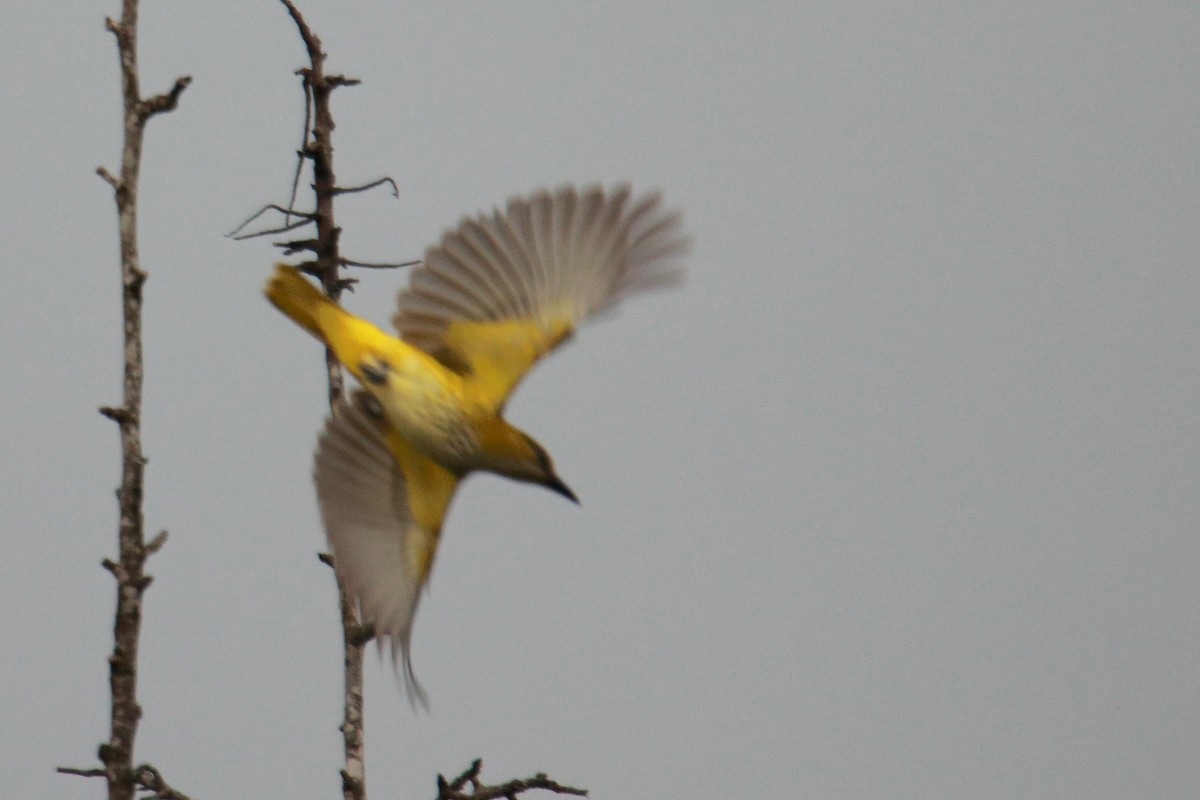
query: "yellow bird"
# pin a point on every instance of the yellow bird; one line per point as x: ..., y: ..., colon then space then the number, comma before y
x: 500, y: 291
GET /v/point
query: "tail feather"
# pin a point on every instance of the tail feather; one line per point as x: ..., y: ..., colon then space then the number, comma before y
x: 298, y: 298
x: 353, y: 341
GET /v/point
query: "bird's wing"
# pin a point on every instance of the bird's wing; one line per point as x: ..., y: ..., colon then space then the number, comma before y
x: 382, y: 506
x: 502, y: 290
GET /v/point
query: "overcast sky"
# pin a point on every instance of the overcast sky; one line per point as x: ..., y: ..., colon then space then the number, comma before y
x: 896, y: 498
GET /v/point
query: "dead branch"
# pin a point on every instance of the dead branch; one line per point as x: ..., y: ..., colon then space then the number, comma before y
x: 366, y: 187
x: 317, y: 147
x: 146, y: 779
x: 304, y: 219
x: 345, y: 262
x: 117, y: 753
x: 454, y: 790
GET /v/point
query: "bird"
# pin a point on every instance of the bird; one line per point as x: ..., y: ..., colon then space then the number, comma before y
x: 496, y: 294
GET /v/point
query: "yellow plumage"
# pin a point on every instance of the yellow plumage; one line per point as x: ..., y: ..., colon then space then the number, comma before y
x: 500, y: 291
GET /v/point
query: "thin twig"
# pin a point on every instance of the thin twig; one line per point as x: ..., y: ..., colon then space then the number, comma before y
x: 165, y: 101
x: 298, y: 245
x: 368, y: 186
x: 149, y: 779
x: 146, y: 779
x: 300, y: 152
x: 289, y: 212
x: 291, y: 226
x: 108, y: 178
x: 345, y: 262
x: 156, y: 543
x: 317, y: 148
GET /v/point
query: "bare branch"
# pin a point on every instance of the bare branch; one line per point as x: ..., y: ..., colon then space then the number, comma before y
x: 108, y: 178
x: 368, y: 186
x: 355, y: 636
x: 345, y: 262
x: 305, y: 218
x: 297, y: 245
x: 300, y: 223
x: 146, y: 778
x: 119, y: 415
x: 156, y: 543
x: 311, y: 42
x: 116, y: 754
x: 300, y: 152
x: 165, y: 101
x: 149, y: 779
x: 317, y: 147
x: 454, y: 790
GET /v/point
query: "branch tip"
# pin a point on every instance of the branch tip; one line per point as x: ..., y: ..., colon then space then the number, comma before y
x: 151, y: 780
x: 167, y: 101
x: 455, y: 790
x: 118, y: 414
x: 303, y: 218
x: 156, y: 543
x: 346, y: 262
x: 108, y: 178
x: 368, y: 186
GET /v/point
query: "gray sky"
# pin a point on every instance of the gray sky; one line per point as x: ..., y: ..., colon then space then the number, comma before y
x: 897, y: 498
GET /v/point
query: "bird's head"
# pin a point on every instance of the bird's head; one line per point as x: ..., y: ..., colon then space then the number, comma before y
x: 515, y: 454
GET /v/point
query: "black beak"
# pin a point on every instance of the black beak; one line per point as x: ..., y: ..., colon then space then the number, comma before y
x: 555, y: 483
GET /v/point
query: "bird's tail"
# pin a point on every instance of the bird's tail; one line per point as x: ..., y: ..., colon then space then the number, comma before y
x: 299, y: 299
x: 354, y: 342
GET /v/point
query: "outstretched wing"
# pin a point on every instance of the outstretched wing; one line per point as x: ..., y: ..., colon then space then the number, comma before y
x: 502, y: 290
x: 382, y: 506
